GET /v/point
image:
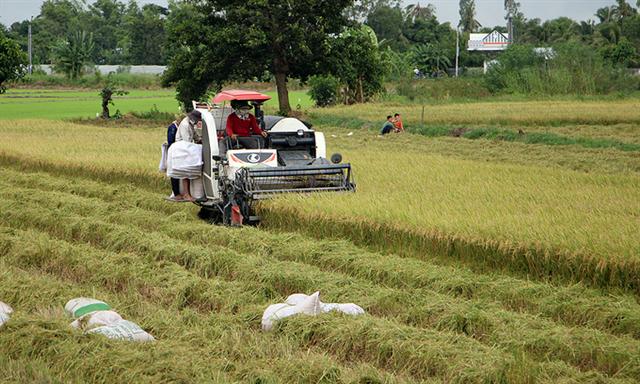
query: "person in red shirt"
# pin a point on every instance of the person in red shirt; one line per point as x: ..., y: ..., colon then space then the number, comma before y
x: 241, y: 125
x: 397, y: 123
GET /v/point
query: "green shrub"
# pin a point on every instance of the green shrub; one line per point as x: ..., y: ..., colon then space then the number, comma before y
x: 324, y: 90
x: 154, y: 114
x: 573, y: 68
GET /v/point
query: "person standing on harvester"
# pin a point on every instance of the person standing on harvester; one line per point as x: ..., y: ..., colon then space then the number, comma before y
x: 187, y: 131
x: 241, y: 125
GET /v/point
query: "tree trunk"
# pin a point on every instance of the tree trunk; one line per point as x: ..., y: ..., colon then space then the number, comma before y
x: 105, y: 110
x: 106, y: 98
x: 360, y: 91
x: 283, y: 93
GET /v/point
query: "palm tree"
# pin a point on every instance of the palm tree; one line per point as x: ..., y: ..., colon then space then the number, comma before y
x: 607, y: 14
x: 73, y: 54
x: 468, y: 22
x: 416, y: 11
x: 430, y: 58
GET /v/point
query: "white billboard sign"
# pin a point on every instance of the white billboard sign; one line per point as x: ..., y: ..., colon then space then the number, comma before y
x: 494, y: 41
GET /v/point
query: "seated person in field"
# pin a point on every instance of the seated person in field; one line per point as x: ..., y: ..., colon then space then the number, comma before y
x: 388, y: 126
x: 397, y: 123
x: 241, y: 125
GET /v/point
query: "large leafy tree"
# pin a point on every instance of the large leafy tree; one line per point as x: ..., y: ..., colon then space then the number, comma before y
x: 240, y: 39
x: 104, y: 20
x: 358, y: 64
x: 146, y: 34
x: 12, y: 61
x: 387, y: 22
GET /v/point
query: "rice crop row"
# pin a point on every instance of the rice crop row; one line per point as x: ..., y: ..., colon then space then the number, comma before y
x: 553, y: 112
x: 191, y: 347
x: 602, y: 362
x: 539, y: 221
x: 428, y: 362
x: 534, y: 213
x: 494, y: 204
x: 572, y: 305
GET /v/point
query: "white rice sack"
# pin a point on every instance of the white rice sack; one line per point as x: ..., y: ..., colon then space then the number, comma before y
x: 296, y: 298
x: 276, y: 312
x: 162, y: 166
x: 82, y: 306
x: 311, y: 305
x: 308, y: 305
x: 123, y: 330
x: 97, y: 319
x: 347, y: 308
x: 184, y: 160
x: 5, y: 312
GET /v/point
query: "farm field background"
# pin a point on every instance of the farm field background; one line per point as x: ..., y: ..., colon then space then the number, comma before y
x: 67, y: 104
x: 476, y: 260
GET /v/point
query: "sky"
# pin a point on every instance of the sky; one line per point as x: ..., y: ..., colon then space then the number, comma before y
x: 489, y: 12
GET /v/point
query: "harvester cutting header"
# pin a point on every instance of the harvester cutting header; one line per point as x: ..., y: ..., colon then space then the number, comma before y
x: 276, y: 155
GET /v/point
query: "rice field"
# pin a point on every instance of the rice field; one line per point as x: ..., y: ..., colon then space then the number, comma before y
x: 476, y: 262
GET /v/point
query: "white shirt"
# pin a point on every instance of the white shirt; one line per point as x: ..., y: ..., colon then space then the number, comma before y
x: 186, y: 131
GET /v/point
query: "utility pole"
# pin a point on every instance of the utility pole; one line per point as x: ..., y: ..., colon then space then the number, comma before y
x: 457, y: 49
x: 30, y: 49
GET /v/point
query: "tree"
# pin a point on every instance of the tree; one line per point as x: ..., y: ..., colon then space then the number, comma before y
x: 430, y: 58
x: 57, y: 20
x: 621, y: 53
x: 468, y: 21
x: 361, y: 9
x: 560, y: 30
x: 386, y: 22
x: 416, y: 11
x: 624, y: 10
x: 242, y: 39
x: 12, y: 61
x: 104, y: 20
x: 106, y: 94
x: 72, y: 55
x: 358, y: 64
x: 146, y: 32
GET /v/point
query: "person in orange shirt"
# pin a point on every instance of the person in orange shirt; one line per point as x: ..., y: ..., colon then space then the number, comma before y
x: 397, y: 123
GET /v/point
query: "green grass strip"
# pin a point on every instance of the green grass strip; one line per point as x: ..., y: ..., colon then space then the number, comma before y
x: 474, y: 133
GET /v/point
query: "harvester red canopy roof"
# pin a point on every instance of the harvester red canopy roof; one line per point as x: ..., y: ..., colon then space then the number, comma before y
x: 238, y: 94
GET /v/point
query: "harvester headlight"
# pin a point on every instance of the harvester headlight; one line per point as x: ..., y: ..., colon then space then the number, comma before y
x: 300, y: 132
x: 336, y: 158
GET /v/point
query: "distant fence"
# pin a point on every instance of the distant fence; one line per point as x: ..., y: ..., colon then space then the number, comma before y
x: 106, y: 69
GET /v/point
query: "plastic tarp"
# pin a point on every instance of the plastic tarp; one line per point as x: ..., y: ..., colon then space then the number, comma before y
x: 300, y: 303
x: 184, y: 160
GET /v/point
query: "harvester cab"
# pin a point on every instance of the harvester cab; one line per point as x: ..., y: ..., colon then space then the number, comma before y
x: 292, y: 158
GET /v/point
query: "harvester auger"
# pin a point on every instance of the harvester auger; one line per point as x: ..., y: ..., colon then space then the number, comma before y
x: 292, y: 159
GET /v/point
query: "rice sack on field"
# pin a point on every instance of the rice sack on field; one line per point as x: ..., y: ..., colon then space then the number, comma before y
x: 123, y: 330
x: 82, y: 306
x: 5, y: 312
x: 95, y: 316
x: 299, y: 303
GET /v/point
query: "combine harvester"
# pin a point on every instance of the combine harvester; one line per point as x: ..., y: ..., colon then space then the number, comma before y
x: 292, y: 158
